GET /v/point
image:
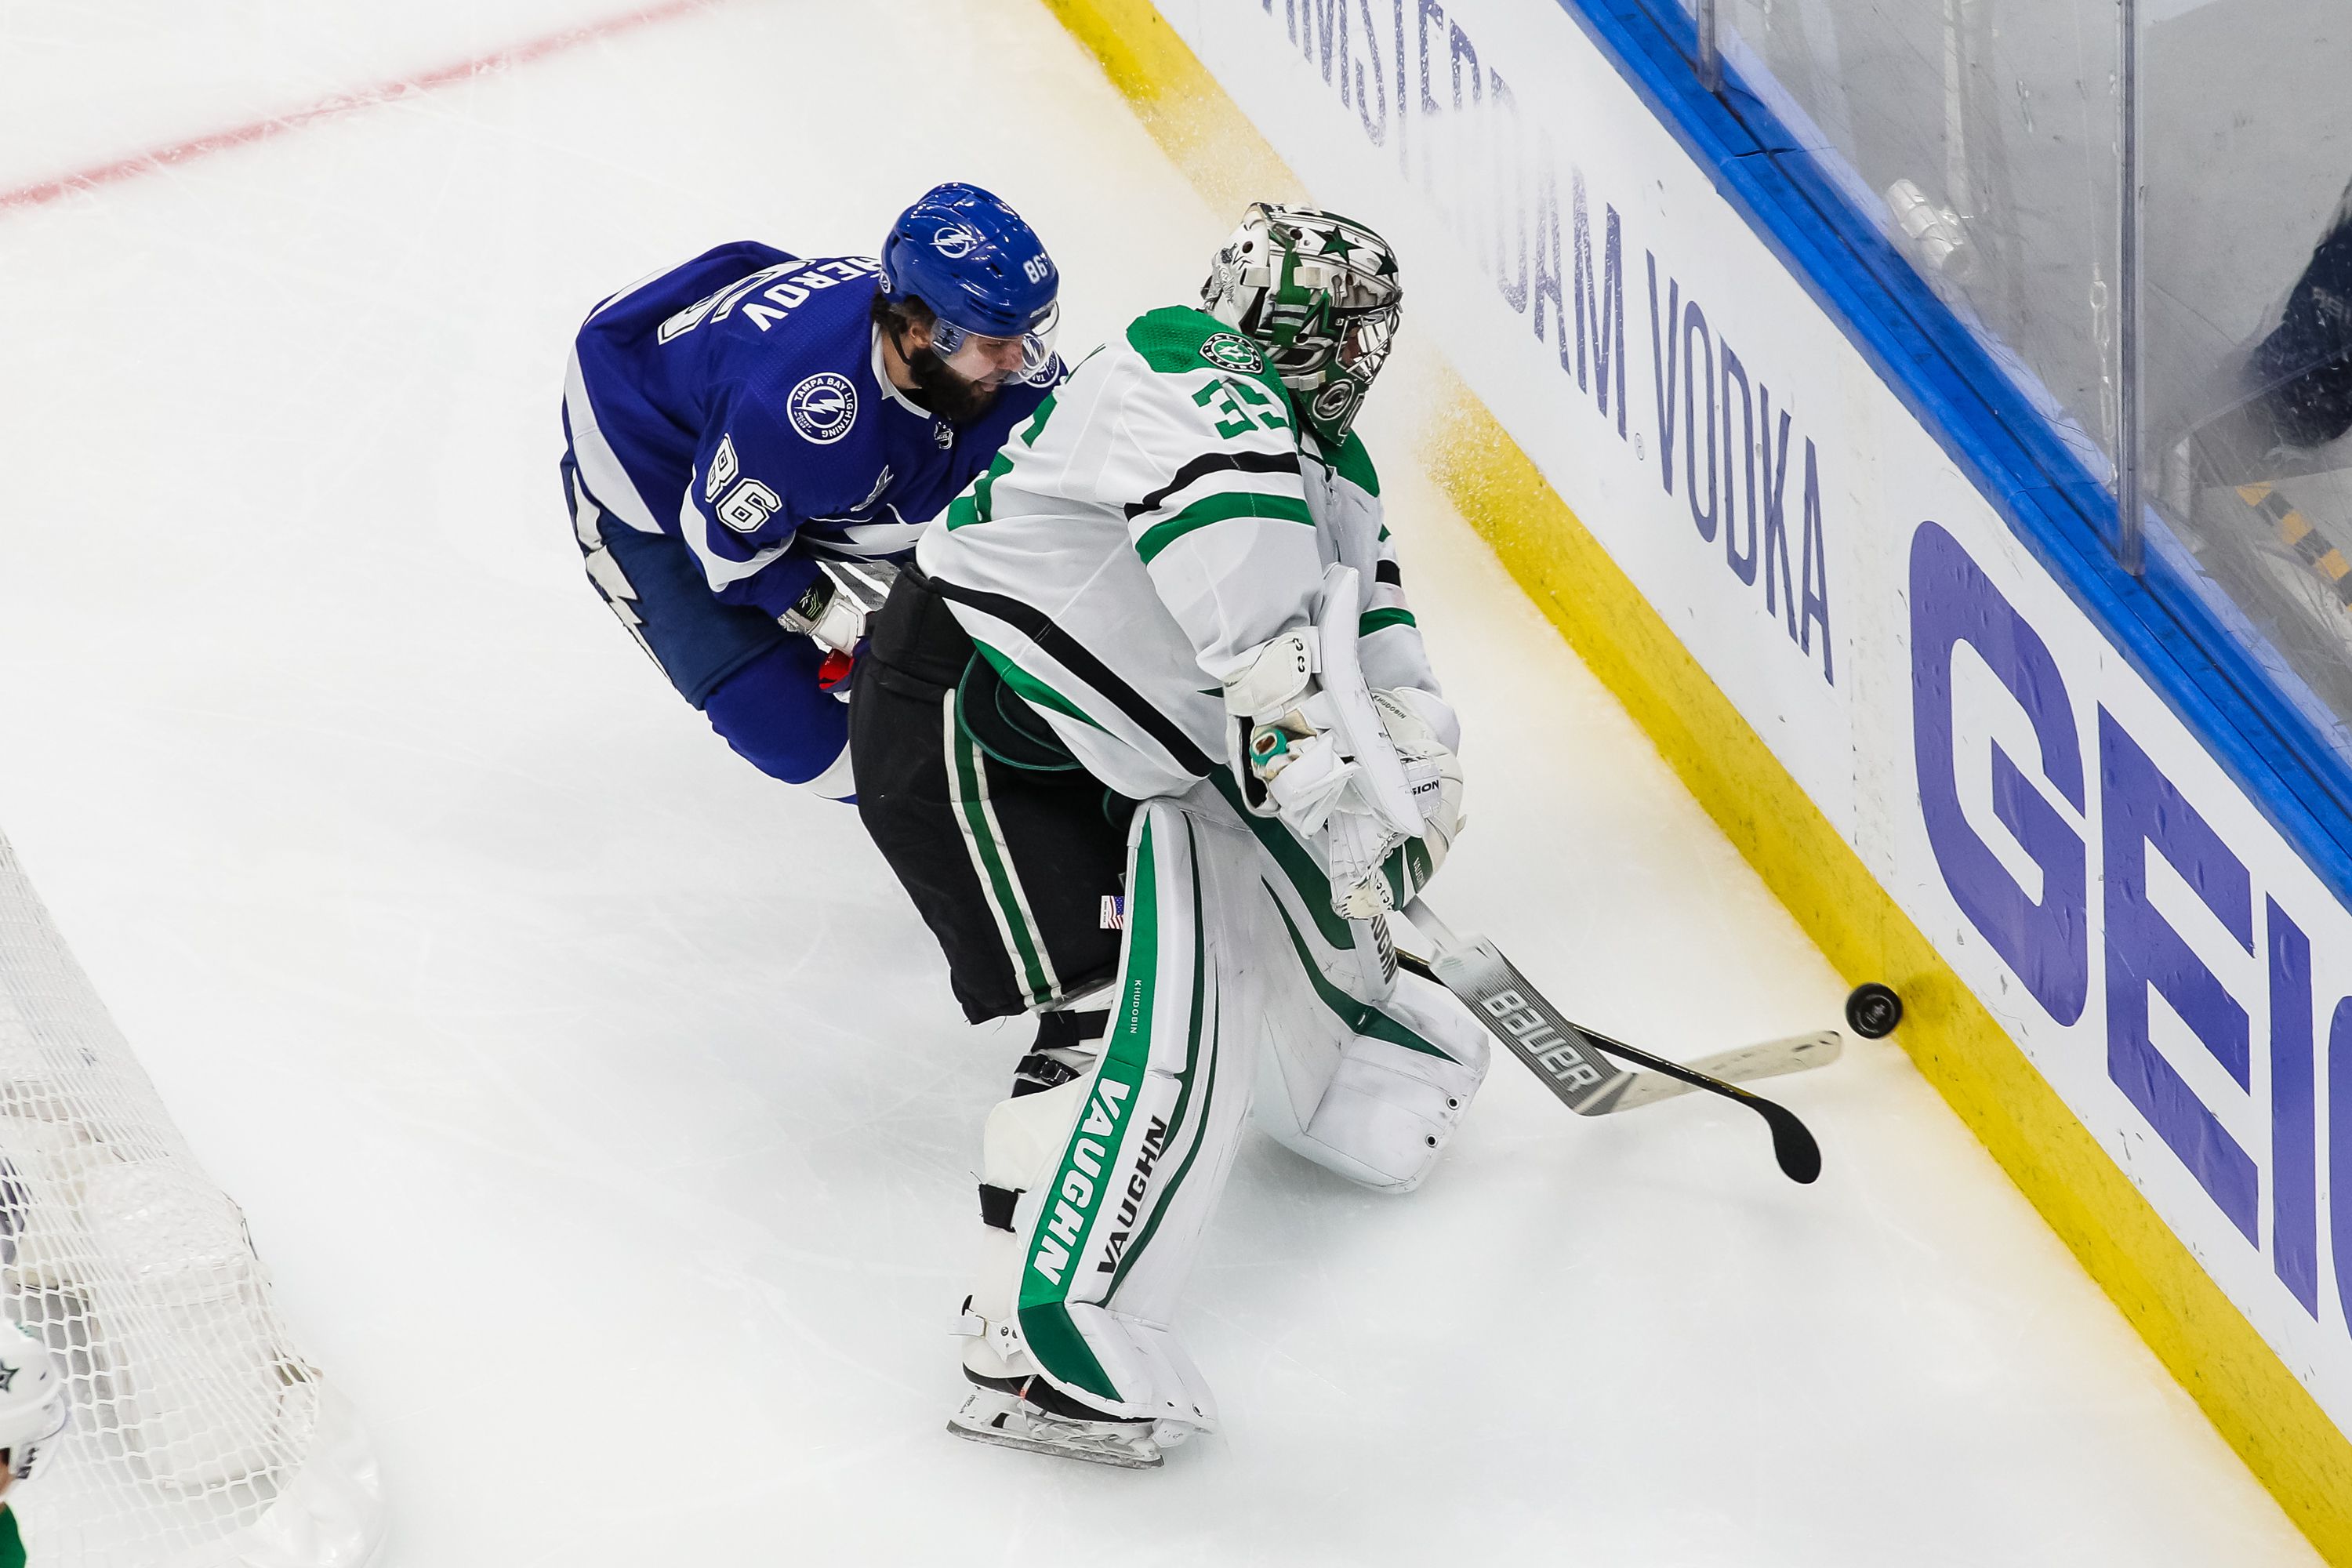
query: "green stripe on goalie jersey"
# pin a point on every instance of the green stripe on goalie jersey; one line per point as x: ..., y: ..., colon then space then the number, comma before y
x: 976, y: 504
x: 983, y: 487
x: 1069, y: 1208
x: 1217, y: 508
x: 1028, y: 433
x: 1029, y: 689
x: 12, y: 1545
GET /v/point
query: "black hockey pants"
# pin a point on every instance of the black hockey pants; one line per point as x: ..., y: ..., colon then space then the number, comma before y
x: 1012, y: 852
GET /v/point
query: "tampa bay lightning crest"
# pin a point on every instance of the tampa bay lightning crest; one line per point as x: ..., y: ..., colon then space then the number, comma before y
x: 823, y: 408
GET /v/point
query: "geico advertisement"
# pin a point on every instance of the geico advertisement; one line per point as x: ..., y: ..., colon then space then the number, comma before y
x: 2166, y: 960
x: 2160, y: 954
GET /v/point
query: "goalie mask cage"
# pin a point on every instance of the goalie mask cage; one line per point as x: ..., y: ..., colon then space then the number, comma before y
x: 200, y: 1438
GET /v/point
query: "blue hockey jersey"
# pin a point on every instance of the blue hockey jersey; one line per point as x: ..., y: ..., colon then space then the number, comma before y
x: 739, y: 403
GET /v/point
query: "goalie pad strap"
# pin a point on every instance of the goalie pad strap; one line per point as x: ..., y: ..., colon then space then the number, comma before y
x: 996, y: 1206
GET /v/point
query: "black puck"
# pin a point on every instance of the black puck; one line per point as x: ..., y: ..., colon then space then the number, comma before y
x: 1873, y: 1010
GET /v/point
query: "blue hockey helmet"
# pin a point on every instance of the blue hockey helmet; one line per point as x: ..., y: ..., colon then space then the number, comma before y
x: 981, y: 270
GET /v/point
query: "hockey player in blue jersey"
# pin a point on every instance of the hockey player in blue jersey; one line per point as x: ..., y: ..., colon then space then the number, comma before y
x: 743, y: 431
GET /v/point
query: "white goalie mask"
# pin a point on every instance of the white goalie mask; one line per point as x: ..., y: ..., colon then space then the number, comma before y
x: 1320, y: 293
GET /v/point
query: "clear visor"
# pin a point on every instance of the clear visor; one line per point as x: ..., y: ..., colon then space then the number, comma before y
x: 994, y: 362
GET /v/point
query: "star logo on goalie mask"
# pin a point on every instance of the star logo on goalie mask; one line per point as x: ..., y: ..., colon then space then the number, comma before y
x: 7, y: 1375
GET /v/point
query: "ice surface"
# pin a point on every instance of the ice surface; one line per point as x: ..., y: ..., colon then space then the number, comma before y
x: 599, y: 1105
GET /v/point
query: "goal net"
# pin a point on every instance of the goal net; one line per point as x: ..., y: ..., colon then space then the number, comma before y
x: 201, y: 1437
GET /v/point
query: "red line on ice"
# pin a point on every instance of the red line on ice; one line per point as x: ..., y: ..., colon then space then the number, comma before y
x: 163, y: 158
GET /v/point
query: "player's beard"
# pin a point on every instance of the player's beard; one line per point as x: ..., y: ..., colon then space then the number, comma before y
x: 954, y: 398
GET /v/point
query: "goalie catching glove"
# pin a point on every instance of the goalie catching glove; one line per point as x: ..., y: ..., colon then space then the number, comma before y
x: 1412, y: 719
x: 1381, y: 821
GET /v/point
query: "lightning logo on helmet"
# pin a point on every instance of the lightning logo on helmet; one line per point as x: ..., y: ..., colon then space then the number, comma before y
x: 955, y: 241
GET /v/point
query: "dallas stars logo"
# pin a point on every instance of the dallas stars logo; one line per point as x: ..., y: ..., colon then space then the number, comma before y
x: 7, y: 1375
x: 1231, y: 350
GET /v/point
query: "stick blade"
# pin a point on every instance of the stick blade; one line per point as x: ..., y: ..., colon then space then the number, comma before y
x: 1793, y: 1147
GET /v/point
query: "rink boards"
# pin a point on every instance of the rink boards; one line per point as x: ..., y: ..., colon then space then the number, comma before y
x: 1874, y: 640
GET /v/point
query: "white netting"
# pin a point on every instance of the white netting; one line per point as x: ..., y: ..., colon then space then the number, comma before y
x: 201, y: 1438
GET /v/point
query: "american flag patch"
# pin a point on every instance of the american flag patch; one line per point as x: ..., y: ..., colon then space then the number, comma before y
x: 1114, y: 912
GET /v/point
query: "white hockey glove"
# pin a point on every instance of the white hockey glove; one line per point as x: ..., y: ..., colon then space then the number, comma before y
x: 835, y: 611
x: 1412, y: 719
x: 1284, y: 723
x: 1316, y: 749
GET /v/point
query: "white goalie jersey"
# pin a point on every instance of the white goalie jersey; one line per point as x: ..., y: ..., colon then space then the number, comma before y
x: 1159, y: 518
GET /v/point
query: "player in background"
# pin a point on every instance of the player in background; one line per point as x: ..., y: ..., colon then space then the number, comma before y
x: 2301, y: 374
x: 33, y: 1412
x: 1149, y: 721
x: 735, y: 424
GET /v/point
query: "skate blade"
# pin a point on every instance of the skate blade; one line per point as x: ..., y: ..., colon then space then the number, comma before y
x: 1124, y: 1459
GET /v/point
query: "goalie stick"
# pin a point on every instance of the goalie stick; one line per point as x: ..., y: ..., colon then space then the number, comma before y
x: 1567, y: 1058
x: 1621, y: 1089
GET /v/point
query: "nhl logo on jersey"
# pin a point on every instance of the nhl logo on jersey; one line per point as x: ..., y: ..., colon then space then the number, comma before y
x: 1231, y: 350
x: 823, y: 408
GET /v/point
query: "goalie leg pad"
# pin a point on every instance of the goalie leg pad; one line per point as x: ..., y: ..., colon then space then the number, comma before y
x: 1023, y: 1137
x: 1105, y: 1236
x: 1373, y: 1092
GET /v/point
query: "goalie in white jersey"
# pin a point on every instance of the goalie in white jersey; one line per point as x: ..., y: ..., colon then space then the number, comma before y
x: 1150, y: 727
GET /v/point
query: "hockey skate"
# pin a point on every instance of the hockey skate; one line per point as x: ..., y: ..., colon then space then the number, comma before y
x: 1002, y: 1417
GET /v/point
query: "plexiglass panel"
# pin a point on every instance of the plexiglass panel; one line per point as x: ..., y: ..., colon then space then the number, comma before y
x: 2247, y: 130
x: 1983, y: 136
x: 1987, y: 139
